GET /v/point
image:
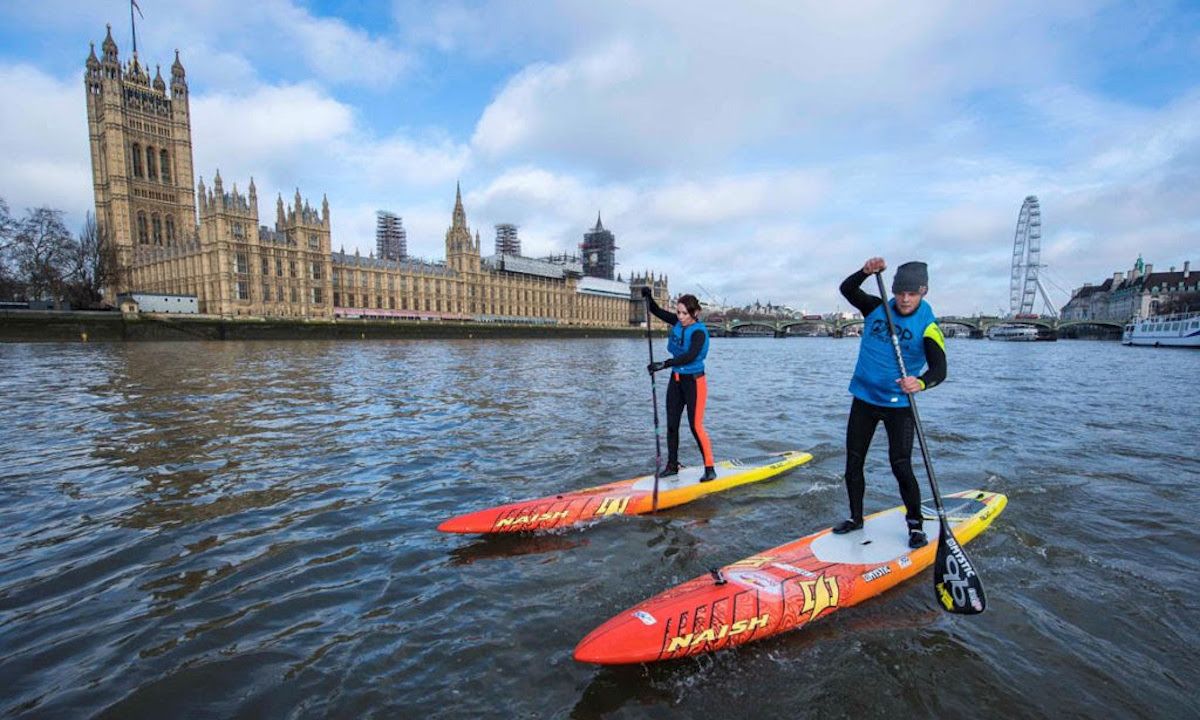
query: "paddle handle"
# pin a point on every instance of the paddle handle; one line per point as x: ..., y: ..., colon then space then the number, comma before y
x: 654, y: 404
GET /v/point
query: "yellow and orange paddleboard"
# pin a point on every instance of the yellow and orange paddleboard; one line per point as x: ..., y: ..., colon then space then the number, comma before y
x: 627, y: 497
x: 783, y: 588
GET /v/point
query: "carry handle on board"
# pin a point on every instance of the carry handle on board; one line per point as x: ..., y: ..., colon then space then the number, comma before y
x: 654, y: 403
x: 955, y: 582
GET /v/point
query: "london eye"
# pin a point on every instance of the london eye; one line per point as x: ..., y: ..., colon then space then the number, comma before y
x: 1025, y: 286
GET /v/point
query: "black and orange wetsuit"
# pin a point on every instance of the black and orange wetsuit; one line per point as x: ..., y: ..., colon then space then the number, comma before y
x: 688, y: 388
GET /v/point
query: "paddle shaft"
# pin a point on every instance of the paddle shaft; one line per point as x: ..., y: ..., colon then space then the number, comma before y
x: 654, y: 402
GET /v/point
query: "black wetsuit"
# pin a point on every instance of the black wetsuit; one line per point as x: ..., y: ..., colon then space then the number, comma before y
x: 897, y: 421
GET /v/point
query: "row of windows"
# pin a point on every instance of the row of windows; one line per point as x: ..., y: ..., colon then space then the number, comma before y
x: 241, y: 263
x: 317, y: 295
x: 157, y: 163
x: 151, y: 128
x: 1159, y: 327
x: 155, y: 228
x: 586, y: 310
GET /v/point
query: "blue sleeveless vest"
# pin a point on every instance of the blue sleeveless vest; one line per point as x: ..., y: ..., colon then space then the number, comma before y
x: 875, y: 375
x: 678, y: 342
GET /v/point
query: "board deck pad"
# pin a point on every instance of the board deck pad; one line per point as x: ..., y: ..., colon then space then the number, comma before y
x: 783, y: 588
x: 626, y: 497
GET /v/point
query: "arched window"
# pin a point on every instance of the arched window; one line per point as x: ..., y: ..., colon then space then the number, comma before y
x: 142, y: 229
x: 170, y: 228
x: 151, y: 164
x: 156, y: 224
x: 137, y: 160
x: 164, y: 166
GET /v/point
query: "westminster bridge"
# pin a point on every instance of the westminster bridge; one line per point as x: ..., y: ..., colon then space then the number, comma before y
x: 975, y: 326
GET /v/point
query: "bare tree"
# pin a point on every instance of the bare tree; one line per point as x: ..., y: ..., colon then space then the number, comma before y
x: 10, y: 288
x: 91, y: 265
x: 42, y: 247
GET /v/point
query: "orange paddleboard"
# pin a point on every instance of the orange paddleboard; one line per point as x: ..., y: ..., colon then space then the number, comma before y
x: 627, y: 497
x: 782, y: 589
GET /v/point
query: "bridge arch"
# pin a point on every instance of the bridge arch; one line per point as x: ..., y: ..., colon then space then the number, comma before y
x: 736, y: 328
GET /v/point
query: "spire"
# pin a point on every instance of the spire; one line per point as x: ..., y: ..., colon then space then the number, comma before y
x: 158, y: 79
x: 178, y: 77
x: 109, y: 46
x: 599, y: 225
x: 299, y: 205
x: 253, y: 190
x: 279, y: 216
x: 460, y: 215
x: 92, y: 61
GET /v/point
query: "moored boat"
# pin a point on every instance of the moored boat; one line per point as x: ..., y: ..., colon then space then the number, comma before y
x: 1177, y: 330
x: 1018, y: 333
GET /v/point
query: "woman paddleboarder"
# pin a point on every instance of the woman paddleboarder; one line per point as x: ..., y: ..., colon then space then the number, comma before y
x: 688, y: 344
x: 879, y: 395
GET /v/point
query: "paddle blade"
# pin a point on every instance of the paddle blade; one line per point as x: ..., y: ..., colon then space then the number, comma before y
x: 955, y: 581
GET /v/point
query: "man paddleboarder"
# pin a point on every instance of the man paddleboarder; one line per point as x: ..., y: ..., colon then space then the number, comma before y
x: 879, y: 395
x: 688, y: 344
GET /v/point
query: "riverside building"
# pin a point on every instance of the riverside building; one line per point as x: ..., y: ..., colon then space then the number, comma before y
x: 176, y: 236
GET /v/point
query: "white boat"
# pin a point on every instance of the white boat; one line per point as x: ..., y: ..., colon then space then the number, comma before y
x: 1019, y: 333
x: 1179, y: 330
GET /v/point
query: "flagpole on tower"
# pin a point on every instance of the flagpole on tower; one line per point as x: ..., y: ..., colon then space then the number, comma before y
x: 132, y: 24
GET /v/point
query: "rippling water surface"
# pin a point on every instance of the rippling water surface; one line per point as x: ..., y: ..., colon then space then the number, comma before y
x: 247, y: 530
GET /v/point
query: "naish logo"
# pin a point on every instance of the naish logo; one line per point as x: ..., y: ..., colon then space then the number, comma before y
x: 691, y: 640
x: 819, y: 595
x: 532, y: 518
x: 612, y: 506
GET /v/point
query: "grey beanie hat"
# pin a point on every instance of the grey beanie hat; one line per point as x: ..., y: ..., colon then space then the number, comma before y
x: 910, y: 277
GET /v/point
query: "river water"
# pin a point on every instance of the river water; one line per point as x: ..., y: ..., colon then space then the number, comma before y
x: 247, y: 530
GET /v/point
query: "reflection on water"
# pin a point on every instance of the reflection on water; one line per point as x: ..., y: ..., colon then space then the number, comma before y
x: 247, y: 530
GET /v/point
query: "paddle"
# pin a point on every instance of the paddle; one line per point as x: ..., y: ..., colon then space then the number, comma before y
x: 654, y: 401
x: 955, y: 581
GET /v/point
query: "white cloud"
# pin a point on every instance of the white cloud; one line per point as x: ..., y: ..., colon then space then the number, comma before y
x: 44, y: 144
x: 744, y: 197
x: 268, y: 122
x: 430, y: 162
x: 656, y: 88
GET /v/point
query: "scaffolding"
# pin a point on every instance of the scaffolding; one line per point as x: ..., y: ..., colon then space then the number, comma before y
x: 391, y: 241
x: 599, y: 252
x: 507, y: 242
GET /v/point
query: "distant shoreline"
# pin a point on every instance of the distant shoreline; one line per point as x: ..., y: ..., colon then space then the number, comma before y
x: 85, y: 326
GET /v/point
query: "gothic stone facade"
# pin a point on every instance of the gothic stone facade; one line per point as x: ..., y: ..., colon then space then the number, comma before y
x: 141, y: 147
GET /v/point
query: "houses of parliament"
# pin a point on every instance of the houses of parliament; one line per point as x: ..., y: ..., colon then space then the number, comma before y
x: 173, y: 236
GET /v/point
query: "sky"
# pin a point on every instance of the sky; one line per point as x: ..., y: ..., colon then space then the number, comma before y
x: 750, y: 151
